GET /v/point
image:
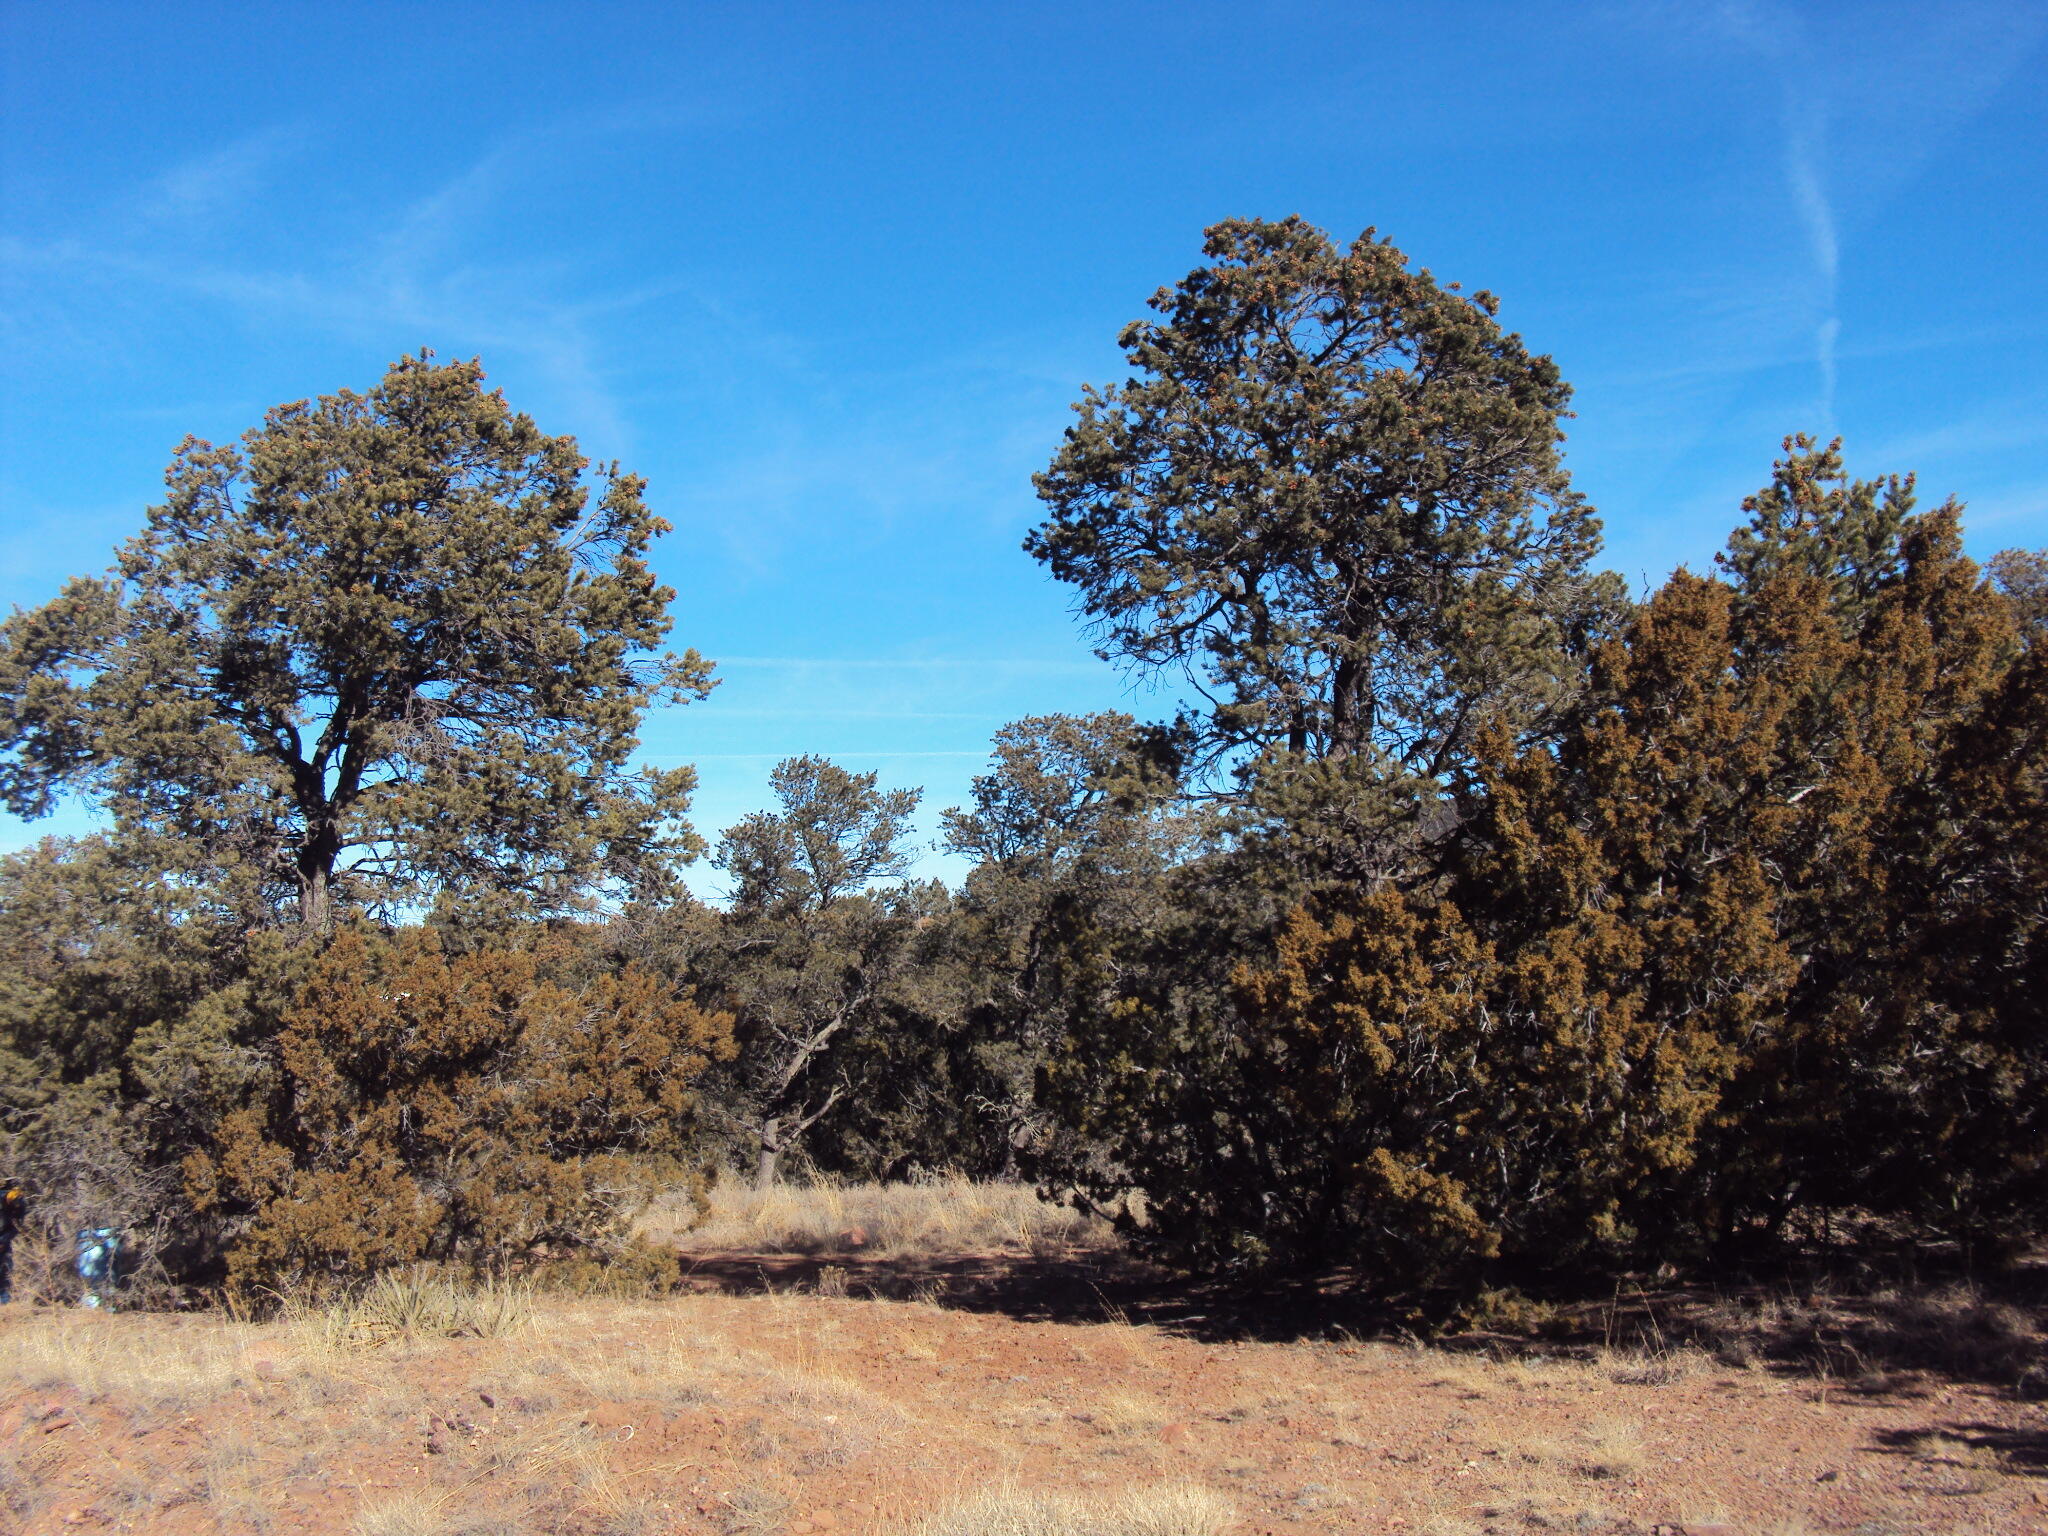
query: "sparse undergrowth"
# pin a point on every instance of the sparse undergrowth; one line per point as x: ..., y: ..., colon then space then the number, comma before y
x: 1954, y: 1330
x: 1868, y: 1337
x: 423, y: 1405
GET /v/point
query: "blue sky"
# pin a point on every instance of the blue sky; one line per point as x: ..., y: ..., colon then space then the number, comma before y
x: 830, y: 275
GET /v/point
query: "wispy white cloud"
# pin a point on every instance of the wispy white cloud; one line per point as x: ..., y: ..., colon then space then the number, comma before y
x: 1806, y: 177
x: 1776, y: 36
x: 2015, y: 515
x: 2018, y: 427
x: 425, y: 276
x: 205, y: 185
x: 1864, y: 100
x: 1805, y: 151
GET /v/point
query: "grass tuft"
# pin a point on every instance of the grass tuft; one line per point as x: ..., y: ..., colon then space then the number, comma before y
x: 408, y: 1515
x: 412, y: 1305
x: 1172, y: 1509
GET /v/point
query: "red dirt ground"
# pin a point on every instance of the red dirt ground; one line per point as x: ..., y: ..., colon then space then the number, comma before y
x: 800, y: 1413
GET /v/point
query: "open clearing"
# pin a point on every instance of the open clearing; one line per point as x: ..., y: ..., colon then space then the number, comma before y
x: 807, y: 1407
x: 807, y: 1413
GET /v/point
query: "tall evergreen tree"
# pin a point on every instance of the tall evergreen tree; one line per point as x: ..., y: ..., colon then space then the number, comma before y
x: 1760, y: 930
x: 1330, y: 495
x: 389, y: 647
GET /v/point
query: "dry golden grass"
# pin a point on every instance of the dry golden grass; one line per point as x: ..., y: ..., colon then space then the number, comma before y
x: 1128, y: 1414
x: 1937, y: 1447
x: 166, y: 1362
x: 408, y: 1515
x: 1609, y: 1447
x: 412, y: 1305
x: 420, y: 1411
x: 929, y: 1219
x: 1173, y: 1509
x: 1482, y: 1378
x: 1601, y: 1446
x: 1655, y: 1368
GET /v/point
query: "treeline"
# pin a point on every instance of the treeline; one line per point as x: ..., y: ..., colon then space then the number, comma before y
x: 1476, y: 920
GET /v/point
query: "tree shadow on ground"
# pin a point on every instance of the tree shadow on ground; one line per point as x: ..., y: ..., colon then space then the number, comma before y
x: 1079, y: 1287
x: 1857, y: 1334
x: 2019, y: 1452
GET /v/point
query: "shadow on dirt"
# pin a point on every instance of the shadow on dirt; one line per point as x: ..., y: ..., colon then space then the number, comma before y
x: 2019, y: 1452
x: 1079, y: 1288
x: 1859, y: 1335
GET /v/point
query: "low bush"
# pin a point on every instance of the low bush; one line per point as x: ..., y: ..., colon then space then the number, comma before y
x: 502, y: 1108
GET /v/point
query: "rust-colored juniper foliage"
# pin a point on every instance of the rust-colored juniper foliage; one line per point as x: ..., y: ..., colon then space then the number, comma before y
x: 1486, y: 920
x: 1762, y: 927
x: 488, y: 1108
x: 1899, y: 810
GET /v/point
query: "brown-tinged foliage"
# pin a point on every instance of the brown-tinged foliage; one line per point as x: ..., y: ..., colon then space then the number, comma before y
x: 486, y: 1109
x: 1484, y: 922
x: 1761, y: 929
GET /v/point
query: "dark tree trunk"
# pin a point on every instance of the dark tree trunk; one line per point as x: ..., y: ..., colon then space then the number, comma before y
x: 315, y: 867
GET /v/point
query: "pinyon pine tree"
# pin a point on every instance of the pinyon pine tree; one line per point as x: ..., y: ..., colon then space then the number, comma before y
x: 390, y: 647
x: 1330, y: 495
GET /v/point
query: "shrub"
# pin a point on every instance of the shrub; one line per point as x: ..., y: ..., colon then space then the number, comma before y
x: 482, y: 1110
x: 1760, y: 926
x: 134, y: 993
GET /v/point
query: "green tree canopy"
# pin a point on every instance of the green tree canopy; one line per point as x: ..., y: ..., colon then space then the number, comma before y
x: 2022, y: 575
x: 835, y: 834
x: 812, y: 949
x: 1812, y: 520
x: 1330, y: 493
x: 1059, y: 787
x: 1074, y: 829
x: 391, y: 642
